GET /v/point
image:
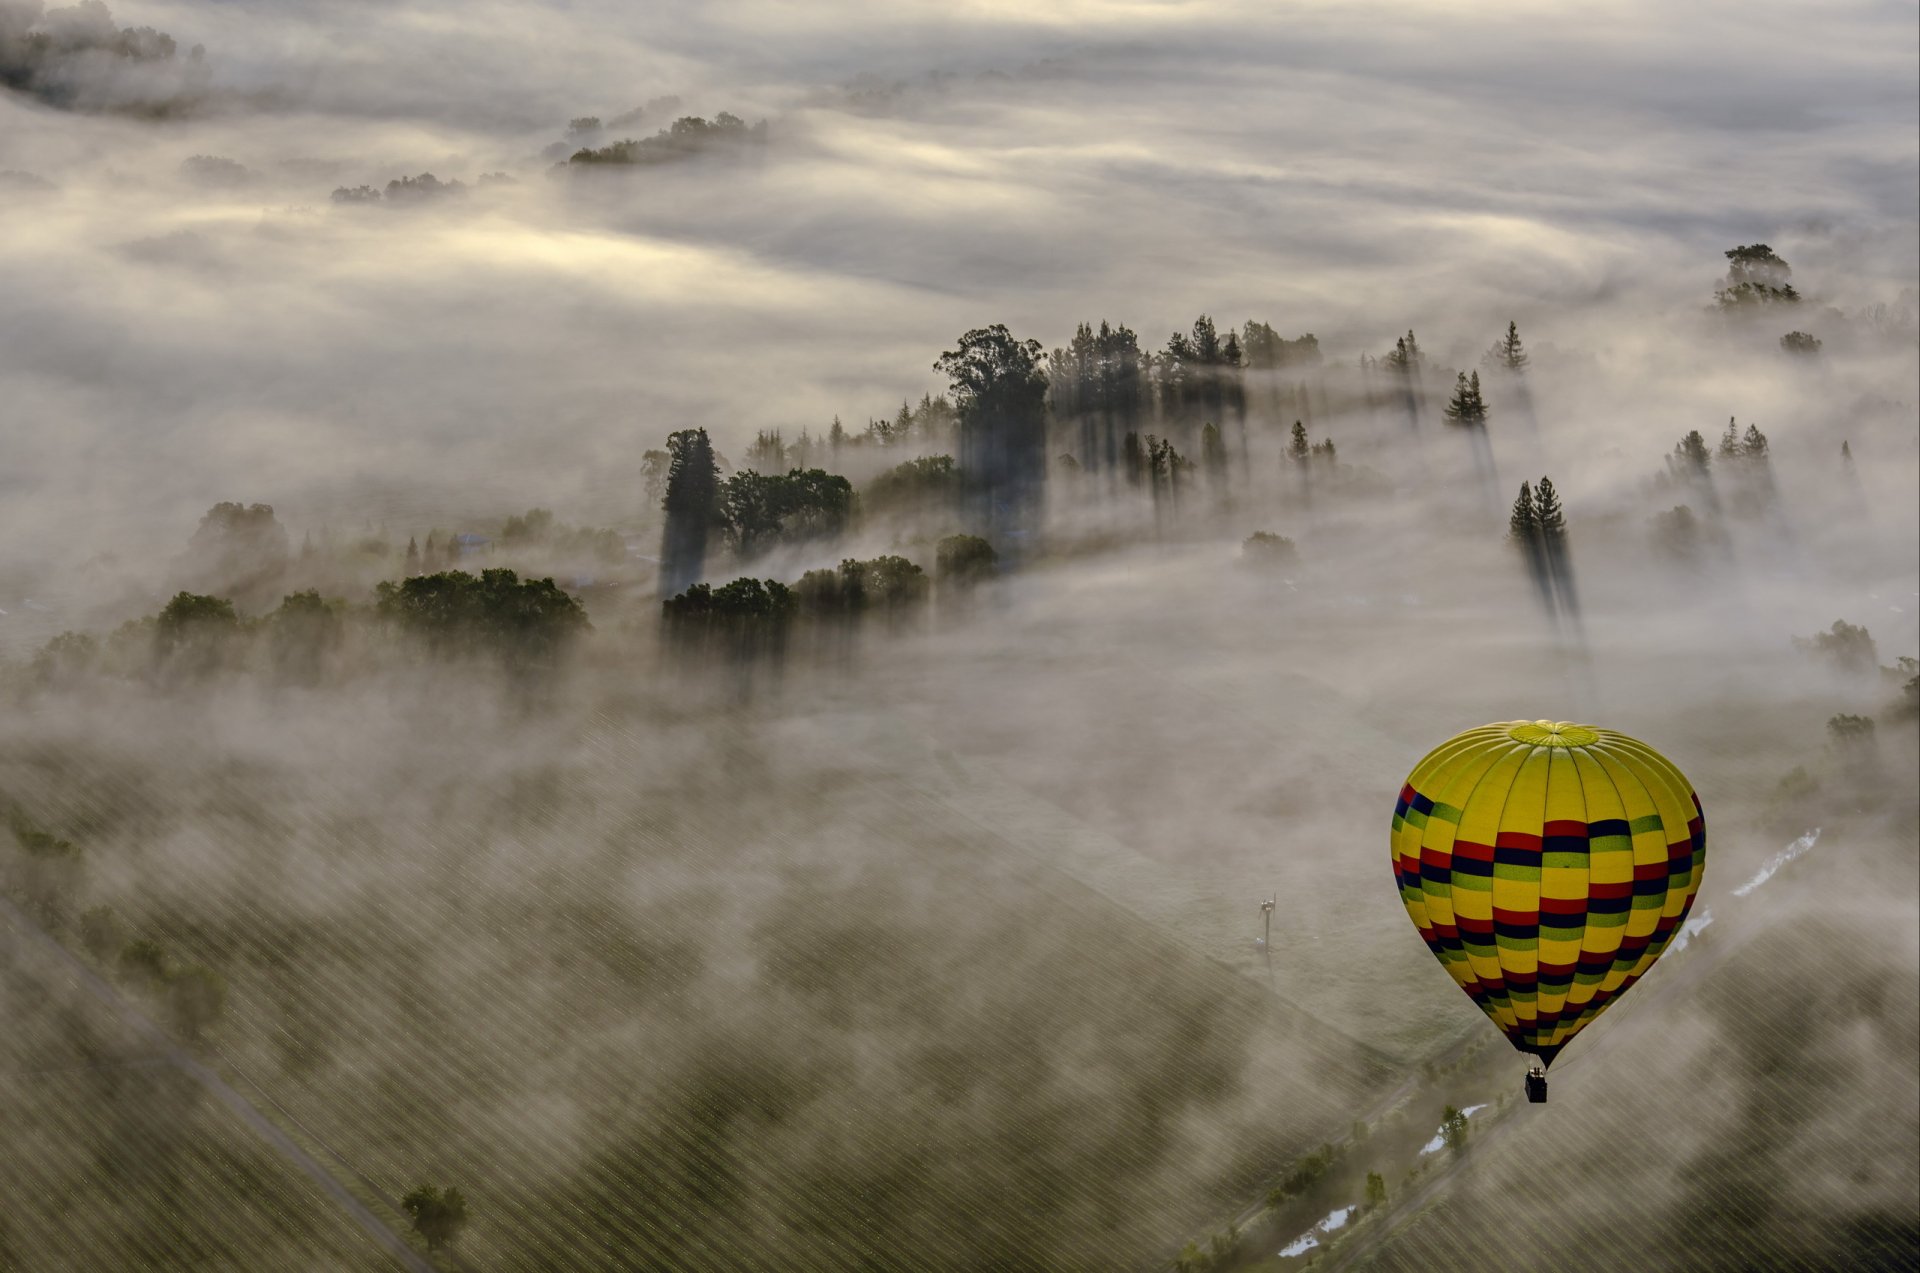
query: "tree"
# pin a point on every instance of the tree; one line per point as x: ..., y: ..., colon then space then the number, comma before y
x: 194, y: 633
x: 145, y: 961
x: 768, y: 453
x: 1547, y: 513
x: 758, y: 508
x: 1468, y: 408
x: 1851, y: 733
x: 930, y: 482
x: 692, y: 506
x: 413, y: 556
x: 1730, y: 442
x: 1753, y: 445
x: 1297, y: 448
x: 1453, y: 1129
x: 1000, y: 389
x: 1523, y: 524
x: 1507, y: 353
x: 1756, y: 277
x: 523, y: 621
x: 303, y: 632
x: 1213, y: 454
x: 1845, y: 646
x: 1804, y: 344
x: 964, y: 559
x: 1690, y: 456
x: 438, y: 1217
x: 1376, y: 1190
x: 1264, y: 548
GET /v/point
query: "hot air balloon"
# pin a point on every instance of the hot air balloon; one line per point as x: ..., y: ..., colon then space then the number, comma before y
x: 1547, y: 865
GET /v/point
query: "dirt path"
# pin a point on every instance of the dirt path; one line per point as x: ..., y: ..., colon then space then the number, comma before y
x: 181, y: 1059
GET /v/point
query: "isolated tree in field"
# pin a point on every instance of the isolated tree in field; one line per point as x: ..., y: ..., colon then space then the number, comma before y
x: 438, y: 1217
x: 1376, y: 1190
x: 1453, y: 1129
x: 1508, y: 353
x: 693, y: 508
x: 1467, y: 408
x: 1000, y: 390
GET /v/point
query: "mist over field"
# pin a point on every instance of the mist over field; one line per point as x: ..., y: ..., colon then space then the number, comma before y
x: 839, y: 842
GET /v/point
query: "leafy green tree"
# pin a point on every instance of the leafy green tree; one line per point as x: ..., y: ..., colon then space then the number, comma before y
x: 303, y: 633
x: 1756, y: 277
x: 65, y: 659
x: 1000, y: 389
x: 1376, y: 1190
x: 1851, y: 733
x: 1802, y: 344
x: 964, y: 560
x: 1845, y: 646
x: 195, y: 634
x: 692, y: 506
x: 46, y: 874
x: 798, y: 505
x: 237, y: 546
x: 1468, y: 408
x: 532, y: 527
x: 889, y: 584
x: 438, y: 1217
x: 1264, y: 548
x: 1453, y: 1129
x: 498, y: 613
x: 930, y: 482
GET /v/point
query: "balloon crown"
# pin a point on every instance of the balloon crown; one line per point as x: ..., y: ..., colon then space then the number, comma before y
x: 1553, y: 733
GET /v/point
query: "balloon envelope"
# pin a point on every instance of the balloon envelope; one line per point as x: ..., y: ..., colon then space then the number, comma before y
x: 1547, y: 865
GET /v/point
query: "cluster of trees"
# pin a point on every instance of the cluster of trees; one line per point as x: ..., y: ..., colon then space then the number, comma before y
x: 683, y: 139
x: 425, y: 188
x: 526, y: 624
x: 75, y: 58
x: 1537, y: 527
x: 753, y: 509
x: 45, y: 876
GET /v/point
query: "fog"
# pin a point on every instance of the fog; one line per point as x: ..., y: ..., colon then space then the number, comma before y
x: 925, y: 939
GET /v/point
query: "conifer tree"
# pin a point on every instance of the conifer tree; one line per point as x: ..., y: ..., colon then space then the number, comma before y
x: 1213, y: 452
x: 693, y: 507
x: 1754, y: 444
x: 1508, y: 353
x: 1523, y: 527
x: 413, y: 557
x: 1730, y: 441
x: 1468, y: 408
x: 1547, y: 513
x: 1690, y: 455
x: 1297, y: 448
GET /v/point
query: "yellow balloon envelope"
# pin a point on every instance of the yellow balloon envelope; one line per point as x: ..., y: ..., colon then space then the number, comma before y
x: 1547, y: 865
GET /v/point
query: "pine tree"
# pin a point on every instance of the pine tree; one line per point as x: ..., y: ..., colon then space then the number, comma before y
x: 1508, y: 353
x: 1730, y: 441
x: 413, y: 557
x: 1468, y: 409
x: 1523, y: 526
x: 693, y: 507
x: 1135, y: 459
x: 1754, y: 444
x: 1846, y: 453
x: 1297, y: 448
x: 1213, y: 453
x: 836, y: 436
x: 1547, y: 512
x: 1690, y: 455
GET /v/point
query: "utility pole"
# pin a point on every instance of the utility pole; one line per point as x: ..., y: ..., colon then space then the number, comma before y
x: 1266, y: 934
